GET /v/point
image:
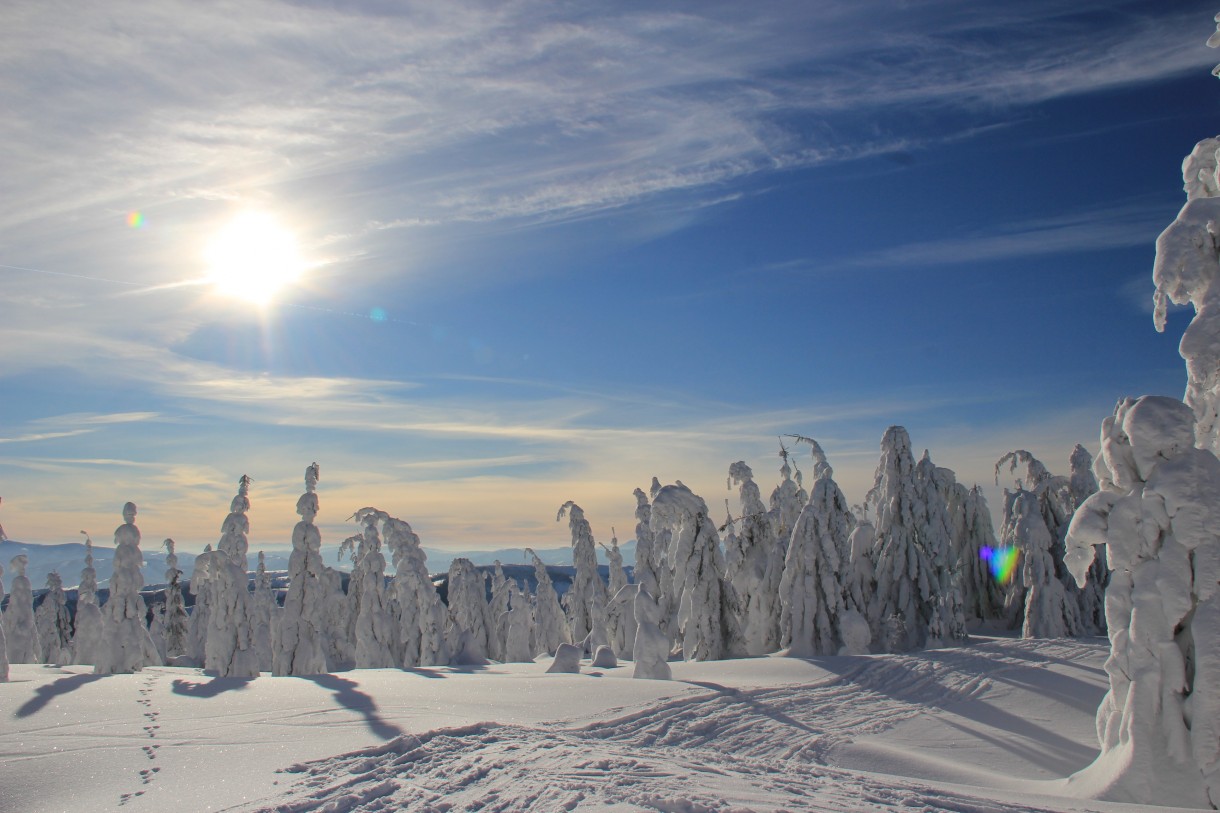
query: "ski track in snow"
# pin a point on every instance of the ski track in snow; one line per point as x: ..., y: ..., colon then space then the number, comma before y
x: 723, y: 750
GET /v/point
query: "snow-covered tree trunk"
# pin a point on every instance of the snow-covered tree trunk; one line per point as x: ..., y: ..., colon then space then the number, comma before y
x: 586, y: 599
x: 300, y: 645
x: 230, y: 650
x: 87, y: 639
x: 54, y: 623
x: 126, y: 645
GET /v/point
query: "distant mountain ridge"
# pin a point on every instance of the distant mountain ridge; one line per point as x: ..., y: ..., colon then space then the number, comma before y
x: 68, y: 559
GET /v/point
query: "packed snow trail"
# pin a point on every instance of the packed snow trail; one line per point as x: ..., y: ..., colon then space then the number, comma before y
x: 724, y: 749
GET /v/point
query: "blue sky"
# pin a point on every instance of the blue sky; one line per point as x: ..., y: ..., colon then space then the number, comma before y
x: 557, y: 249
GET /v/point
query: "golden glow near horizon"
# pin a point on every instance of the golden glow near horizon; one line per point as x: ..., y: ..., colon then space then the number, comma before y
x: 253, y: 258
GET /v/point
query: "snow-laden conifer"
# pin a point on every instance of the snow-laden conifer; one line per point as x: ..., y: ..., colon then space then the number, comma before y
x: 1158, y: 515
x: 336, y: 622
x: 469, y: 615
x: 23, y: 643
x: 550, y: 624
x: 646, y: 553
x: 749, y: 564
x: 126, y: 645
x: 372, y: 626
x: 982, y: 593
x: 651, y: 647
x: 934, y: 529
x: 620, y: 618
x: 859, y: 579
x: 265, y: 608
x: 498, y: 608
x: 586, y: 598
x: 3, y: 640
x: 707, y: 620
x: 518, y: 626
x: 300, y: 645
x: 905, y: 600
x: 54, y: 623
x: 810, y: 592
x: 421, y: 622
x: 176, y: 618
x: 87, y: 637
x: 230, y: 650
x: 201, y: 615
x: 1049, y: 611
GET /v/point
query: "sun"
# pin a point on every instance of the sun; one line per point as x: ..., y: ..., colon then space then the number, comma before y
x: 253, y: 258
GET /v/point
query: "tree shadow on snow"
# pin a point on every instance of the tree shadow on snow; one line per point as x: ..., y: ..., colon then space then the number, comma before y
x: 761, y: 708
x: 45, y: 694
x: 214, y: 687
x: 351, y: 698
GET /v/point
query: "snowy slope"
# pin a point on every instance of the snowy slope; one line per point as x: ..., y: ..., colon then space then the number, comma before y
x: 990, y: 727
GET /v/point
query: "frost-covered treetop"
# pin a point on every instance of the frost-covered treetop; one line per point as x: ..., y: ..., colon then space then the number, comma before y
x: 312, y: 475
x: 18, y: 563
x: 307, y: 503
x: 821, y: 467
x: 1035, y: 472
x: 673, y: 504
x: 751, y: 497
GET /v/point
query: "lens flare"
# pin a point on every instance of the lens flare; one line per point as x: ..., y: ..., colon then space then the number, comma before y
x: 135, y: 219
x: 1002, y: 562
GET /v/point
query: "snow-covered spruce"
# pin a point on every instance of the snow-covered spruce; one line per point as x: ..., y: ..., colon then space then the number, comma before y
x: 19, y: 629
x: 264, y: 614
x: 421, y: 621
x: 126, y: 645
x: 550, y: 624
x: 620, y: 617
x: 87, y: 639
x: 299, y: 644
x: 934, y: 485
x: 749, y: 555
x: 518, y: 623
x: 707, y: 620
x: 229, y: 650
x: 646, y: 552
x: 372, y: 624
x: 469, y: 615
x: 810, y: 593
x: 973, y: 533
x: 54, y: 623
x: 201, y: 587
x: 1158, y: 514
x: 176, y: 618
x: 651, y: 647
x: 3, y: 638
x: 498, y: 608
x: 586, y: 598
x: 1049, y: 611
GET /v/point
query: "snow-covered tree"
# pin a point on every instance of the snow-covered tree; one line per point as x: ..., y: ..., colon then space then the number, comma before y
x: 469, y: 615
x: 1158, y: 515
x: 336, y: 622
x: 651, y: 646
x: 935, y: 487
x: 498, y: 608
x: 518, y: 627
x: 300, y: 645
x: 88, y: 636
x: 23, y: 642
x: 906, y: 598
x: 176, y: 618
x: 264, y: 608
x: 201, y: 587
x: 974, y: 543
x: 230, y: 649
x: 372, y: 625
x: 620, y: 618
x: 646, y: 553
x: 707, y: 620
x: 1049, y: 611
x: 54, y: 623
x: 126, y: 645
x: 3, y: 640
x: 858, y: 577
x: 421, y: 622
x: 810, y: 592
x: 550, y: 624
x: 586, y: 598
x: 750, y: 553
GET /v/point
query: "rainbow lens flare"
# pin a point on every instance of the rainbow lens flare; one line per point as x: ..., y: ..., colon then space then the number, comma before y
x: 135, y: 219
x: 1002, y: 562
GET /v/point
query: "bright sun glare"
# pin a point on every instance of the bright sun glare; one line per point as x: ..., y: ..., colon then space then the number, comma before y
x: 253, y: 258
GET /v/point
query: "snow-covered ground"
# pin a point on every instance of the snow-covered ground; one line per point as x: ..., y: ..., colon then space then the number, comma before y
x: 990, y: 727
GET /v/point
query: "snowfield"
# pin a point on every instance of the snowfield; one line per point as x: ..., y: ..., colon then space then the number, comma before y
x: 992, y: 727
